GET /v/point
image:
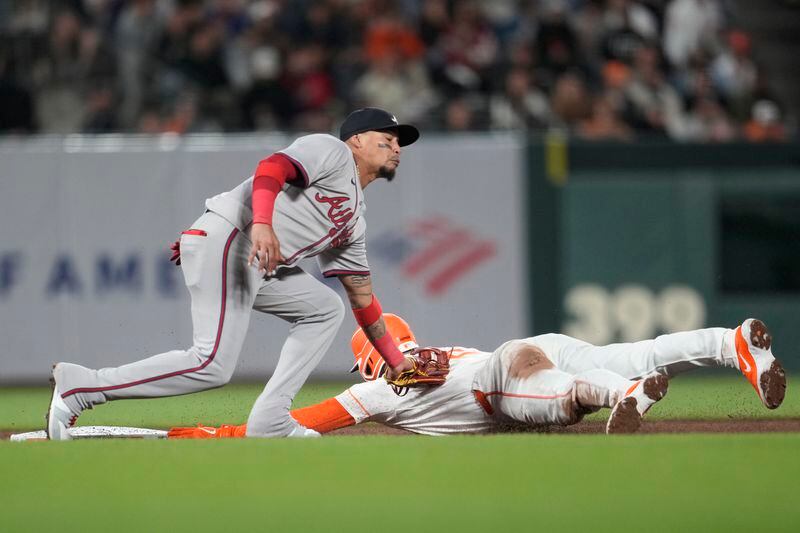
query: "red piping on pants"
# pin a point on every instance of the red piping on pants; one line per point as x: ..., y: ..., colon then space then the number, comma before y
x: 188, y: 370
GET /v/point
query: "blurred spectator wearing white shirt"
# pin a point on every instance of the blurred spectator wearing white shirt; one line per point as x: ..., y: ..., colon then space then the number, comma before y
x: 690, y: 26
x: 402, y: 85
x: 734, y: 72
x: 657, y: 107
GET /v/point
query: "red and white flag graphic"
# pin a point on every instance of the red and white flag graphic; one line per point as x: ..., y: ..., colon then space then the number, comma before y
x: 443, y: 253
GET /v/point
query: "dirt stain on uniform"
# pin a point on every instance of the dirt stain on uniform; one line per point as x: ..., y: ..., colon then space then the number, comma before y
x: 240, y: 273
x: 528, y: 360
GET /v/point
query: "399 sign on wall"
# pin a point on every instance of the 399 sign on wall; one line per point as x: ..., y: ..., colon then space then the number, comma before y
x: 630, y: 313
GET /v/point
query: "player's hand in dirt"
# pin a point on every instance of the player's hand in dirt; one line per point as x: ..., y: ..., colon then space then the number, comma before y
x: 266, y: 248
x: 394, y: 371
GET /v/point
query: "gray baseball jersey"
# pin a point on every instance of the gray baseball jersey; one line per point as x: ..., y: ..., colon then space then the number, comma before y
x: 319, y: 213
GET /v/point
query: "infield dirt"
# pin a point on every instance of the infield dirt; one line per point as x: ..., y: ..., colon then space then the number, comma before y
x: 783, y: 425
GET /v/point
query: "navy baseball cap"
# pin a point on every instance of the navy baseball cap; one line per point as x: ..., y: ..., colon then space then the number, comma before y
x: 374, y: 119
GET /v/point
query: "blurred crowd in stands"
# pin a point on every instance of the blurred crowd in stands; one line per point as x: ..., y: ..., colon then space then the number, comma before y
x: 602, y: 69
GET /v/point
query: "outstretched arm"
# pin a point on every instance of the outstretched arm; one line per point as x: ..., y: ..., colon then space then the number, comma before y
x: 369, y: 315
x: 323, y: 417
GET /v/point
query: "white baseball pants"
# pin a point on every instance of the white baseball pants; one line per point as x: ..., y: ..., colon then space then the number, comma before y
x: 666, y: 354
x: 556, y: 379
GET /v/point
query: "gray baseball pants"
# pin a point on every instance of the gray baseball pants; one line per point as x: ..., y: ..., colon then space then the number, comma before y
x: 224, y: 290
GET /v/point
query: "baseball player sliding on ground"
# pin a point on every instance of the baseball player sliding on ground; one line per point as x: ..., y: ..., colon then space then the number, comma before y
x: 545, y: 380
x: 242, y: 253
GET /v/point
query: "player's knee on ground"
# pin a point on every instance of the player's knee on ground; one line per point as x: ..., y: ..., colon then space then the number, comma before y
x: 598, y: 387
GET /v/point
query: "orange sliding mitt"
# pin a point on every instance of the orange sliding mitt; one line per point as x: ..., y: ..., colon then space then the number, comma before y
x: 225, y: 431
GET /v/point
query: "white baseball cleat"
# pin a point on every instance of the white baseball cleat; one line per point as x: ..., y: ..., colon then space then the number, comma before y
x: 626, y: 417
x: 302, y: 432
x: 59, y: 417
x: 754, y: 354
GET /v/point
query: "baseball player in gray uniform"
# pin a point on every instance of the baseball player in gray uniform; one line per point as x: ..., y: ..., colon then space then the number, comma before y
x: 306, y: 200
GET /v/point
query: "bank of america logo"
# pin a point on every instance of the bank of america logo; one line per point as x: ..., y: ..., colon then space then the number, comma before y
x: 434, y: 251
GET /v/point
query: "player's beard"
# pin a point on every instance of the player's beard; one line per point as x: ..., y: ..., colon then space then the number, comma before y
x: 386, y: 172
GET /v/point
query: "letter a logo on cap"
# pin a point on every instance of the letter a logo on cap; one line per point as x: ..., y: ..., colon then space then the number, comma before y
x: 394, y: 119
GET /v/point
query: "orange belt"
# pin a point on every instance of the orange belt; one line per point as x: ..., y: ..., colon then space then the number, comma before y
x: 483, y: 401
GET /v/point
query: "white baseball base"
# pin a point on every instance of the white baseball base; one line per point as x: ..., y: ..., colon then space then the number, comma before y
x: 97, y: 432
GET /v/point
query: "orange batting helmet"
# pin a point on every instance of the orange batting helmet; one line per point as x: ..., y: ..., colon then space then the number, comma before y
x: 369, y: 362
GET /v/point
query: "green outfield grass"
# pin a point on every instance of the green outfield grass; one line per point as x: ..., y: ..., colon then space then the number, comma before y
x: 498, y: 483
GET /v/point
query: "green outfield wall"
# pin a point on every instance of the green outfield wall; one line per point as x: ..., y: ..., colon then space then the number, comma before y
x: 627, y: 241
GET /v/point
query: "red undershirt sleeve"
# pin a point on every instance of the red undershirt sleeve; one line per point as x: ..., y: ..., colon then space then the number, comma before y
x: 268, y: 180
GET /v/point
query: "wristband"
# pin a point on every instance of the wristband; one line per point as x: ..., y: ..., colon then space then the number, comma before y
x: 386, y: 347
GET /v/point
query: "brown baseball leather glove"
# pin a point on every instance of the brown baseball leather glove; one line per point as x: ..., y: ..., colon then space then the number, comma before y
x: 431, y: 366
